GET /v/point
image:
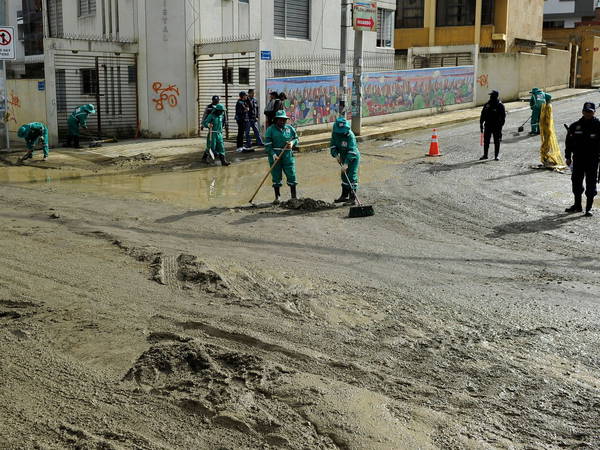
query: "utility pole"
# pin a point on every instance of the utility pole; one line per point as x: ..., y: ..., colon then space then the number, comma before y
x: 343, y: 51
x: 357, y: 83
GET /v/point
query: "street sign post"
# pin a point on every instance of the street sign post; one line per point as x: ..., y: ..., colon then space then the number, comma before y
x: 7, y: 51
x: 364, y: 16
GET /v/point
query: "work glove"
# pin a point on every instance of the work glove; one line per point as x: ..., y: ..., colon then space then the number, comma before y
x: 333, y: 152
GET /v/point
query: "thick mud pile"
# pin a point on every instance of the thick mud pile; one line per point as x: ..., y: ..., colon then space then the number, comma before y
x: 306, y: 204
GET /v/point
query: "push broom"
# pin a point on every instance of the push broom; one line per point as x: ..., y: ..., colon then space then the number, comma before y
x: 359, y: 210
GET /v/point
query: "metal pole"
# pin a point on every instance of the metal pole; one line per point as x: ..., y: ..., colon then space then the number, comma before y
x: 98, y: 104
x: 5, y: 105
x: 343, y: 50
x: 357, y: 83
x: 226, y: 75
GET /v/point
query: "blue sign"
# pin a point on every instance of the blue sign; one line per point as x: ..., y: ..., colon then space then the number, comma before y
x: 265, y: 55
x: 41, y: 85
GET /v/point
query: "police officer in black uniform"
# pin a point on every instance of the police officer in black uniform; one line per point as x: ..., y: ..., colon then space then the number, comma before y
x: 491, y: 122
x: 583, y: 145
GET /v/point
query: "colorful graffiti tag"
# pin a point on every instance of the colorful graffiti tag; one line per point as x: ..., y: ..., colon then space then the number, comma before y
x: 313, y: 99
x: 168, y: 94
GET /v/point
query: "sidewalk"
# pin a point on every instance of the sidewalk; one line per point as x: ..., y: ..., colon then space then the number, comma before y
x: 160, y: 148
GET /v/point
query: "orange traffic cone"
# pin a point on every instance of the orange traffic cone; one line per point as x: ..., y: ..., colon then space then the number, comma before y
x: 434, y: 147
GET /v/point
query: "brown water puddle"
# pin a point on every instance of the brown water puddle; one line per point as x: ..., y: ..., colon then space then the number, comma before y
x: 202, y: 187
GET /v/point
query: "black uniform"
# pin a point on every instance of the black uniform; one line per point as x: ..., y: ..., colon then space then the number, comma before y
x: 491, y: 122
x: 583, y: 147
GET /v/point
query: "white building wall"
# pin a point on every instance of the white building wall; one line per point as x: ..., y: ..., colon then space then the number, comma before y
x: 559, y: 7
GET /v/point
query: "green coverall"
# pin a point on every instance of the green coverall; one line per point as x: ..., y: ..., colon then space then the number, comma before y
x: 275, y: 140
x: 537, y: 100
x: 32, y: 133
x: 215, y: 141
x: 343, y: 146
x: 79, y: 118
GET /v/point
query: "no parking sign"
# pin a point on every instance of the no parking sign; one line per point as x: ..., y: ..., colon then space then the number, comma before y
x: 7, y: 43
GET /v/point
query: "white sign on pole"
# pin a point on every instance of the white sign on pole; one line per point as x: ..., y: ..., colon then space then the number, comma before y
x: 364, y: 16
x: 7, y: 43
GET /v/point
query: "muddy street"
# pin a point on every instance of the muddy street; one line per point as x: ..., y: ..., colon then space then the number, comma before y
x: 145, y: 304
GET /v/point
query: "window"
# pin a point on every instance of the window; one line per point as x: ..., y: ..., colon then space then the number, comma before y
x: 86, y: 8
x: 61, y: 90
x: 292, y: 18
x: 131, y: 74
x: 554, y: 24
x: 283, y: 73
x: 385, y: 27
x: 89, y: 81
x: 244, y: 75
x: 410, y: 13
x: 487, y: 12
x: 244, y: 1
x: 452, y: 13
x: 227, y: 75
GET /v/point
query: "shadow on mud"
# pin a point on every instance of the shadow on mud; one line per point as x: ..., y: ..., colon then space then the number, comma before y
x: 546, y: 223
x: 448, y: 167
x: 518, y: 174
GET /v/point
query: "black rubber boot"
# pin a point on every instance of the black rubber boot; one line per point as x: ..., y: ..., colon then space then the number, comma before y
x: 497, y: 151
x: 588, y: 206
x: 344, y: 197
x: 27, y: 156
x: 351, y: 199
x: 293, y: 191
x: 69, y: 141
x: 277, y: 190
x: 205, y: 157
x: 576, y: 206
x: 76, y: 142
x: 224, y: 162
x: 485, y: 152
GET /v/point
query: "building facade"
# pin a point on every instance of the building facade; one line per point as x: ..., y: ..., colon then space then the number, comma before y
x: 567, y: 13
x: 492, y: 25
x: 151, y: 66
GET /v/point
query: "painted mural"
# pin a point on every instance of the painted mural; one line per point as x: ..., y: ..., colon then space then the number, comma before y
x: 313, y: 99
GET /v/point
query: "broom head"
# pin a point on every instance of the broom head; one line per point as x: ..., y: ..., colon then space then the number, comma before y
x: 361, y: 211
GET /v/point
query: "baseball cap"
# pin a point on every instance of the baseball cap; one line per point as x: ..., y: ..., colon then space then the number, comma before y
x: 589, y: 106
x: 495, y: 92
x: 243, y: 94
x: 216, y: 98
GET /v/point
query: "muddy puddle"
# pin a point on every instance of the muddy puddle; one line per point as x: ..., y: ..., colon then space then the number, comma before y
x: 203, y: 187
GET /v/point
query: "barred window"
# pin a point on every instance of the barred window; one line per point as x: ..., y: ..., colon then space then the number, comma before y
x: 89, y: 81
x: 86, y: 8
x: 451, y: 13
x: 292, y: 18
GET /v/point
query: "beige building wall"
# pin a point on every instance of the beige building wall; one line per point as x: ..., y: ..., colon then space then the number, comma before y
x: 25, y: 103
x: 525, y: 20
x: 514, y: 74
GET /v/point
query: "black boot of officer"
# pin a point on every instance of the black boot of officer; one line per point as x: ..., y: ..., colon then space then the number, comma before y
x: 582, y: 152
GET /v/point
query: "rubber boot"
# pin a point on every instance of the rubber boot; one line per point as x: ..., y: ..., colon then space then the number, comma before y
x: 205, y: 157
x: 224, y: 162
x: 588, y: 206
x: 76, y: 142
x: 576, y: 206
x: 277, y: 190
x: 351, y: 199
x: 344, y: 197
x: 27, y: 155
x: 69, y: 141
x: 293, y: 191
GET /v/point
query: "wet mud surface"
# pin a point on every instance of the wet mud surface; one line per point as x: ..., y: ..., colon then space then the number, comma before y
x: 464, y: 314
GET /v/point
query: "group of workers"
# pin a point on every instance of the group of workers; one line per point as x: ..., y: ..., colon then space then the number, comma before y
x: 582, y: 146
x: 280, y: 141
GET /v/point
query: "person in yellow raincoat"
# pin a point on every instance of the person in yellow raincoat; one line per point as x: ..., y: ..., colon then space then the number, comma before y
x: 550, y: 150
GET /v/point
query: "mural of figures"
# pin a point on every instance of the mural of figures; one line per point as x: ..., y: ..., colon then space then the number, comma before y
x: 313, y: 99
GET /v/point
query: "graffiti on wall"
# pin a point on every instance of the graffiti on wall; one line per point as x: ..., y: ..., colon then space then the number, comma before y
x: 313, y: 99
x: 167, y: 94
x: 482, y: 80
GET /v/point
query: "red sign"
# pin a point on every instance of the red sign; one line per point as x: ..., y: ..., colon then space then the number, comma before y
x: 5, y: 36
x: 365, y: 22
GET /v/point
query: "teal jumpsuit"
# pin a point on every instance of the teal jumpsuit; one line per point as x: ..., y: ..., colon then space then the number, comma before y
x: 537, y: 100
x: 79, y: 118
x: 32, y: 133
x: 343, y: 146
x: 275, y: 140
x: 215, y: 141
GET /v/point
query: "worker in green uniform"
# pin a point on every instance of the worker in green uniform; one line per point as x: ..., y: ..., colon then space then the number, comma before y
x: 282, y: 138
x: 343, y: 147
x: 537, y: 100
x: 34, y: 133
x: 214, y: 141
x: 78, y: 118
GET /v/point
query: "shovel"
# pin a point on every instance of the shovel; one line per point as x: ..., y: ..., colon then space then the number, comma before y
x: 211, y: 155
x: 268, y: 172
x: 360, y: 210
